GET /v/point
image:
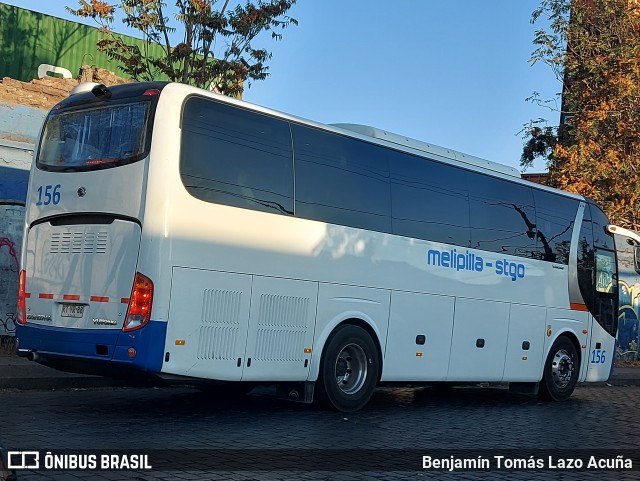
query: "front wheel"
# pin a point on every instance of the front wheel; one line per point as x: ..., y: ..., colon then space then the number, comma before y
x: 560, y: 371
x: 349, y: 370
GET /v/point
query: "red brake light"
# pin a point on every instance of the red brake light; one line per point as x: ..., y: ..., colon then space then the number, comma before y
x: 150, y: 92
x: 139, y: 311
x: 22, y: 298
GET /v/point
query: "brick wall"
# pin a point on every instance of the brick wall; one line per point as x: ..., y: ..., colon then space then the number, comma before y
x: 46, y: 92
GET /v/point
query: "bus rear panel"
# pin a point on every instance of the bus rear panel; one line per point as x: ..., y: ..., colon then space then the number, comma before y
x: 81, y: 298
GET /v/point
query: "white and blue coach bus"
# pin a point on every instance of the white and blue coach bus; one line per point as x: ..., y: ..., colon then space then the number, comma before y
x: 173, y: 231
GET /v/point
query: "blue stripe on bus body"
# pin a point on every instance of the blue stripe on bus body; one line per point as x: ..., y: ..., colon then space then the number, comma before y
x: 148, y: 343
x: 76, y: 344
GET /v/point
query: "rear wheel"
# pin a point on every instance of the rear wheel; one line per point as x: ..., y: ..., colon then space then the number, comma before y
x: 349, y: 370
x: 560, y: 371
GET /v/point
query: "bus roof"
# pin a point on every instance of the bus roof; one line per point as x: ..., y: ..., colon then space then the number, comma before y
x: 429, y: 148
x: 354, y: 130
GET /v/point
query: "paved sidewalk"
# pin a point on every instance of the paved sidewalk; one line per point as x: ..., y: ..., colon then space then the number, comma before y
x: 20, y: 373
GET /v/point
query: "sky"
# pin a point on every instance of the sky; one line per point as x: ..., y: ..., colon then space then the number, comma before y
x: 453, y: 73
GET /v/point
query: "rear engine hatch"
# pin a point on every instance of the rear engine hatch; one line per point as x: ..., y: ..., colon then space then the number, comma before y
x: 80, y: 271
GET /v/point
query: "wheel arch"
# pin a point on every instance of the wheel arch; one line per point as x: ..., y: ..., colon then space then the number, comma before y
x: 573, y: 337
x: 356, y: 319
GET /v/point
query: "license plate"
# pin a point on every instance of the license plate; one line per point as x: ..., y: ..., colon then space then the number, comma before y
x: 72, y: 310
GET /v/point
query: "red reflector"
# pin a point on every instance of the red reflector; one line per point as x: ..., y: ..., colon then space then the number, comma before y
x: 150, y: 92
x: 99, y: 299
x: 71, y: 297
x: 124, y: 300
x: 578, y: 307
x: 139, y: 311
x: 22, y: 299
x: 132, y: 352
x: 45, y: 296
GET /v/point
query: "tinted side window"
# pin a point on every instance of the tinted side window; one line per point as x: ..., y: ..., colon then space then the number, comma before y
x: 341, y: 180
x: 429, y: 200
x: 606, y: 297
x: 502, y: 216
x: 601, y: 237
x: 586, y: 260
x: 555, y: 217
x: 606, y: 309
x: 236, y: 157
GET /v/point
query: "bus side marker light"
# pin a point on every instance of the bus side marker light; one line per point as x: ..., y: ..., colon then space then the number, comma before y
x: 307, y: 350
x: 132, y: 352
x: 524, y: 358
x: 584, y: 331
x: 549, y: 332
x: 584, y: 347
x: 180, y: 342
x: 418, y: 354
x: 21, y: 314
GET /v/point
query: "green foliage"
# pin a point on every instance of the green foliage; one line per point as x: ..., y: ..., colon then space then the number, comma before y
x: 540, y: 144
x: 217, y: 48
x: 550, y: 43
x: 594, y: 47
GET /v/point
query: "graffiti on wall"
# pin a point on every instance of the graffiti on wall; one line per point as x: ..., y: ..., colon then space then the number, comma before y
x: 629, y: 301
x: 11, y: 223
x: 629, y: 315
x: 13, y: 189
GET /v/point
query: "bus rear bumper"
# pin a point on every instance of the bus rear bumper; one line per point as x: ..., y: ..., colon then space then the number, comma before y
x: 94, y: 351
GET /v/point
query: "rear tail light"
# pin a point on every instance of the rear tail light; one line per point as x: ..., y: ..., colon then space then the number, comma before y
x: 139, y: 311
x: 22, y: 298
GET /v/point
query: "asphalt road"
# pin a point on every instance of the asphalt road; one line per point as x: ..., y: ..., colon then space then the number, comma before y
x: 190, y: 435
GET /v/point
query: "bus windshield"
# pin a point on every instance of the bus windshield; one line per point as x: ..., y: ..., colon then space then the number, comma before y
x: 94, y: 138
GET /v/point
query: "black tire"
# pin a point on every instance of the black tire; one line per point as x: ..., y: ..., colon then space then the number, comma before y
x: 349, y: 369
x: 561, y: 371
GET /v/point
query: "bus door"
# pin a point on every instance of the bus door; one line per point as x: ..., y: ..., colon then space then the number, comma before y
x: 605, y: 314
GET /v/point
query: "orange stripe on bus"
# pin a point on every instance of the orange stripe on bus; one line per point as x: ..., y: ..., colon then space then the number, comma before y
x: 578, y: 307
x: 45, y: 296
x: 99, y: 299
x: 71, y: 297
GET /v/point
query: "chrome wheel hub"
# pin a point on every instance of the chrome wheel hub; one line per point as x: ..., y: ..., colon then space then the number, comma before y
x: 562, y: 369
x: 351, y: 369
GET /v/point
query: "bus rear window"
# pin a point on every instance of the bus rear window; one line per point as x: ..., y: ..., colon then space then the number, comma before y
x: 94, y: 138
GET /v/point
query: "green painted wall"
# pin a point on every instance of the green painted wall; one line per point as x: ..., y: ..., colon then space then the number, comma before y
x: 29, y: 39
